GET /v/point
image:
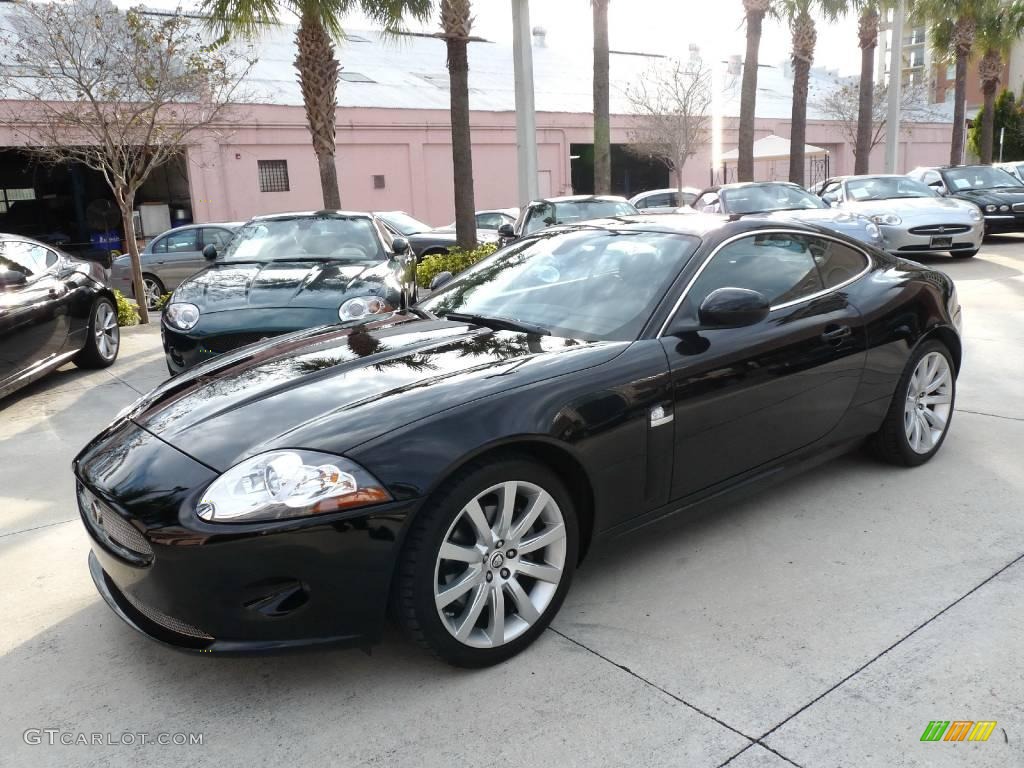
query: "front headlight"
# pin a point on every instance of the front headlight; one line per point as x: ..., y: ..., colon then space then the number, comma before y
x: 890, y: 219
x: 873, y: 231
x: 283, y: 484
x: 1004, y: 207
x: 990, y: 208
x: 182, y: 316
x: 974, y: 213
x: 363, y: 306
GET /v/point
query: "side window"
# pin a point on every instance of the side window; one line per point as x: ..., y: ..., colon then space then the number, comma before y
x: 33, y: 260
x: 780, y: 266
x: 832, y: 189
x: 930, y: 177
x: 707, y: 203
x: 160, y: 246
x: 217, y: 237
x: 656, y: 201
x: 179, y: 242
x: 488, y: 220
x: 836, y: 262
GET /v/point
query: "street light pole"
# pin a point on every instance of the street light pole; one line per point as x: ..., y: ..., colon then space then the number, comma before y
x: 892, y: 125
x: 526, y: 116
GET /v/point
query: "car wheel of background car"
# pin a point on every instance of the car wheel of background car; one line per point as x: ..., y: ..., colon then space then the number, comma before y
x: 921, y: 409
x: 103, y: 338
x: 964, y: 254
x: 487, y: 562
x: 154, y: 290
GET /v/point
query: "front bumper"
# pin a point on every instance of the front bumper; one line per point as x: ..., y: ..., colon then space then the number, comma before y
x: 901, y: 241
x: 996, y: 223
x: 228, y: 588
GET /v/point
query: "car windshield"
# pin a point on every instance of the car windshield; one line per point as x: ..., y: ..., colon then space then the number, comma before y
x: 979, y: 177
x: 548, y: 213
x: 886, y: 188
x: 758, y: 198
x: 403, y: 223
x: 589, y: 284
x: 329, y: 238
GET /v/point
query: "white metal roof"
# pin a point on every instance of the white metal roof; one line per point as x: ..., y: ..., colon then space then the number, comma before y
x: 774, y: 147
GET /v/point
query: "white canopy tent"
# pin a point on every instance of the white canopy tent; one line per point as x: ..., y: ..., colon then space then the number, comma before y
x: 770, y: 150
x: 774, y: 147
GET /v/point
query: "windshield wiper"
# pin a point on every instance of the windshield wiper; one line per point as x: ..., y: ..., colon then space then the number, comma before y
x: 497, y: 323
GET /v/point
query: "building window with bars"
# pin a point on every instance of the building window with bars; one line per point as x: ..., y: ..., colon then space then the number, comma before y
x: 273, y: 175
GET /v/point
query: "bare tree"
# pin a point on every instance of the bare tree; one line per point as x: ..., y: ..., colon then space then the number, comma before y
x: 670, y: 104
x: 121, y: 92
x: 843, y: 106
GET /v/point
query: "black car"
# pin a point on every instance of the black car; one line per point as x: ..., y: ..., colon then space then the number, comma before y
x: 54, y: 309
x: 998, y: 194
x: 456, y: 461
x: 539, y: 214
x: 783, y: 200
x: 282, y: 273
x: 423, y: 239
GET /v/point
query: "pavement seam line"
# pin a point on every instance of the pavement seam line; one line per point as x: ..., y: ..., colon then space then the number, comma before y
x: 118, y: 378
x: 992, y: 415
x: 753, y: 744
x: 906, y: 637
x: 38, y: 527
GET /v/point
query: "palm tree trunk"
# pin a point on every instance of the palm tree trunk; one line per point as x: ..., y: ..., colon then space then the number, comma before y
x: 866, y: 93
x: 748, y: 99
x: 798, y: 122
x: 988, y: 90
x: 462, y: 143
x: 956, y: 145
x: 318, y: 79
x: 602, y: 118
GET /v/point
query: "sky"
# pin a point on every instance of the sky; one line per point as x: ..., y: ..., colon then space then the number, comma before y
x: 648, y: 26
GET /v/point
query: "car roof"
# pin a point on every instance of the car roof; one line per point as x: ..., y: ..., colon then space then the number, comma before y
x: 580, y: 199
x: 694, y: 224
x: 311, y: 214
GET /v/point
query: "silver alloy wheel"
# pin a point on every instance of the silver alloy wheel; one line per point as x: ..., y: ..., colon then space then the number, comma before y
x: 152, y: 292
x: 929, y: 400
x: 500, y: 564
x: 108, y: 335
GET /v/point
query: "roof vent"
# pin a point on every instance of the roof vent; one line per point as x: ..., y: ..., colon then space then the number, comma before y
x: 540, y: 37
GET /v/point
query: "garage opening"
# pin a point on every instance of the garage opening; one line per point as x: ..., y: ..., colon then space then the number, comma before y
x: 631, y: 175
x: 70, y: 205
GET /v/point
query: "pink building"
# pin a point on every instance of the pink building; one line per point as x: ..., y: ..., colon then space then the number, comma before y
x: 394, y: 148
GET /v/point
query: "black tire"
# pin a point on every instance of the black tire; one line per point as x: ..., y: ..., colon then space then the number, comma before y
x: 891, y: 443
x: 157, y: 283
x: 964, y: 254
x: 93, y: 354
x: 413, y: 597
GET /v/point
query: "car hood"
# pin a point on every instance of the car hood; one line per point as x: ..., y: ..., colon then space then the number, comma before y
x: 333, y: 388
x: 997, y: 196
x: 905, y: 206
x: 309, y: 284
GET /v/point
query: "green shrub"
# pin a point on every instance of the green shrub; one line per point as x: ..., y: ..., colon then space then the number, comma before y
x: 455, y: 261
x: 162, y: 302
x: 127, y: 312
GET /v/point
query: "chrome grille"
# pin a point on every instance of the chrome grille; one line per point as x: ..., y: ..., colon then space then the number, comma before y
x: 940, y: 229
x: 1018, y: 207
x: 110, y: 527
x: 167, y: 622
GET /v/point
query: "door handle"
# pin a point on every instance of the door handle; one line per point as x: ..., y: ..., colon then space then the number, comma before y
x: 834, y: 333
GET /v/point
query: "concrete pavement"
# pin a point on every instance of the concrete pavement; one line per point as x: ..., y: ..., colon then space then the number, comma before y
x: 823, y: 622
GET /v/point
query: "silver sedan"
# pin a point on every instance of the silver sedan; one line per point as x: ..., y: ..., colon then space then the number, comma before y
x: 912, y: 218
x: 171, y: 257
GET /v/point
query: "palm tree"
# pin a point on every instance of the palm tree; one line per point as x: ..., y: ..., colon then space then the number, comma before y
x: 952, y: 26
x: 316, y: 61
x: 867, y: 33
x: 999, y: 27
x: 754, y: 12
x: 456, y: 24
x: 602, y: 118
x: 804, y: 37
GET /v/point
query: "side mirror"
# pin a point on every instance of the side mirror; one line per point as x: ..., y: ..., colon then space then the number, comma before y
x: 11, y: 278
x: 732, y: 308
x: 441, y: 278
x: 400, y: 246
x: 507, y: 232
x: 210, y: 252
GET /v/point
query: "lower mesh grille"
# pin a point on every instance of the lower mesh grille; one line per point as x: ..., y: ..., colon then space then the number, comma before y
x: 112, y: 529
x: 167, y: 622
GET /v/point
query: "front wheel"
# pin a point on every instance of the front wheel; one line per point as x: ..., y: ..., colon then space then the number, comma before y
x: 103, y: 337
x: 488, y: 562
x: 921, y: 409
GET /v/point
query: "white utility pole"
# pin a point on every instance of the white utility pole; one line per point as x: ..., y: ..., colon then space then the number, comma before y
x: 892, y: 125
x: 526, y: 116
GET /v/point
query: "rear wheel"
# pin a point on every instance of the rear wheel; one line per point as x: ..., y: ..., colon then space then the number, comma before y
x: 919, y: 415
x: 103, y: 337
x: 154, y: 289
x: 488, y: 562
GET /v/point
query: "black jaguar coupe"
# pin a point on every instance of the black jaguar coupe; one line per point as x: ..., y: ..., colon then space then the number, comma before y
x: 283, y: 273
x: 454, y: 463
